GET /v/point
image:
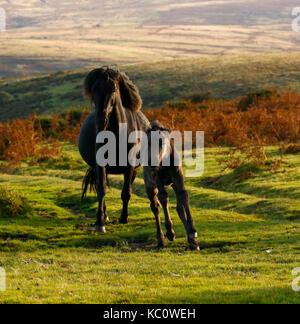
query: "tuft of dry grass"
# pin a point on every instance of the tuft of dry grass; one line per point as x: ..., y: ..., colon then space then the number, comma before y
x: 22, y: 139
x: 38, y: 137
x: 12, y: 204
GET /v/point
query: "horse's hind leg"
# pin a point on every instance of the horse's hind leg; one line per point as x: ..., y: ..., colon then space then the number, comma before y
x: 152, y: 192
x: 129, y: 178
x: 101, y: 192
x: 164, y: 200
x: 106, y: 217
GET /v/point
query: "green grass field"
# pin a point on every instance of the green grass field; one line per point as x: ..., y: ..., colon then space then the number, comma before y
x: 226, y: 77
x: 249, y: 234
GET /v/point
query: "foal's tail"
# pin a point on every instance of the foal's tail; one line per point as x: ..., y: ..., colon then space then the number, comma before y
x: 90, y: 182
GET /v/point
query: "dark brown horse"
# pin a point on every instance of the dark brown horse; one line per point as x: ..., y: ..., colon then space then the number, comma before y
x: 117, y: 101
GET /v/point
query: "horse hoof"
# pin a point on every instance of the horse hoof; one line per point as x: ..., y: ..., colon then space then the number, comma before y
x: 106, y: 218
x: 193, y: 235
x: 100, y: 229
x: 123, y: 221
x: 195, y: 248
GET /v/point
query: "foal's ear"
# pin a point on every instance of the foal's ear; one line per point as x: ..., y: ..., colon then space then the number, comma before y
x: 156, y: 125
x: 130, y: 95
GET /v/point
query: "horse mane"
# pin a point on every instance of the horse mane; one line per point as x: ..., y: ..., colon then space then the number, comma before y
x: 129, y: 93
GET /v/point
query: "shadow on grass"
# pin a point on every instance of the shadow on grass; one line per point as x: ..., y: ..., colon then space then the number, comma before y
x: 236, y: 182
x: 221, y: 245
x: 276, y: 295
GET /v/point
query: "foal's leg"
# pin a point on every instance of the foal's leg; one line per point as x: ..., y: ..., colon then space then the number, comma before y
x: 129, y: 178
x: 152, y: 192
x: 164, y: 200
x: 184, y: 213
x: 101, y: 192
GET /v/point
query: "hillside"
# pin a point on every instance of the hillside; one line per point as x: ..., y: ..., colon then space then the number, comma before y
x: 224, y: 76
x: 248, y: 229
x: 47, y: 36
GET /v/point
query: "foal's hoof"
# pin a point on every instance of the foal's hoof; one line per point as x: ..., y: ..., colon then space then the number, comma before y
x: 161, y: 246
x: 106, y: 218
x: 171, y: 236
x: 100, y: 229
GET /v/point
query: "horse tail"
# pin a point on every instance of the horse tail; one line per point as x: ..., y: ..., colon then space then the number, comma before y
x: 90, y: 182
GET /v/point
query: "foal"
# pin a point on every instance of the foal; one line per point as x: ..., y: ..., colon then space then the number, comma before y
x: 157, y: 178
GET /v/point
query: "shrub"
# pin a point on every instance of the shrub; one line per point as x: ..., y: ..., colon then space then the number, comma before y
x: 255, y: 96
x: 198, y: 97
x: 12, y: 204
x: 181, y: 104
x: 5, y: 98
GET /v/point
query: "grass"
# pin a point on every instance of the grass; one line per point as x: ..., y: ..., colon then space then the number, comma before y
x: 249, y: 234
x: 226, y: 77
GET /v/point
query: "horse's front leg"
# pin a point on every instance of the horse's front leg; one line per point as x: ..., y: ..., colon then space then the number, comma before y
x: 152, y: 194
x: 101, y: 192
x: 129, y: 178
x: 184, y: 213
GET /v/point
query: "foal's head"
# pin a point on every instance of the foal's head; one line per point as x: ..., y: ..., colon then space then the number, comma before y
x: 104, y: 86
x: 159, y: 145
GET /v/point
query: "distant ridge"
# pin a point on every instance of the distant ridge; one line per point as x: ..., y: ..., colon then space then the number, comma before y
x: 64, y: 35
